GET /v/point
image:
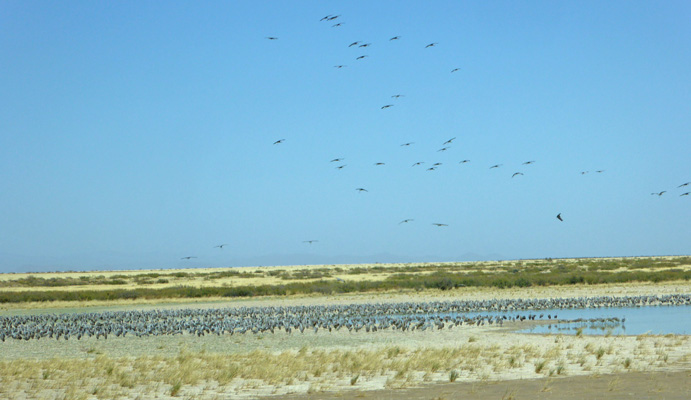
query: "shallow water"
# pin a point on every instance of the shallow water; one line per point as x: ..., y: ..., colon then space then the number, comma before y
x: 639, y: 320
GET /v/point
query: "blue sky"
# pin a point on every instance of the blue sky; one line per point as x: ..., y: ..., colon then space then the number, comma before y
x: 133, y: 134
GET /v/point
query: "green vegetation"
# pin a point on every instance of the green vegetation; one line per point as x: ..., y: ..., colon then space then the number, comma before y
x: 320, y: 280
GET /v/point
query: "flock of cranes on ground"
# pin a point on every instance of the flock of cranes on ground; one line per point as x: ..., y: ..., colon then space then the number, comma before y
x: 445, y: 146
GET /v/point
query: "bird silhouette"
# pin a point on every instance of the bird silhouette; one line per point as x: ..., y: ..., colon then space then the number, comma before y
x: 599, y: 171
x: 387, y: 106
x: 341, y: 166
x: 496, y: 166
x: 684, y: 194
x: 272, y: 37
x: 418, y: 163
x: 340, y: 66
x: 436, y: 164
x: 279, y: 141
x: 528, y: 162
x: 396, y: 96
x: 337, y: 25
x: 464, y: 161
x: 432, y: 169
x: 187, y: 258
x: 353, y: 44
x: 361, y: 57
x: 405, y: 221
x: 395, y: 38
x: 559, y: 217
x: 438, y: 224
x: 443, y: 149
x: 449, y: 141
x: 326, y: 18
x: 379, y: 163
x: 337, y: 159
x: 455, y: 69
x: 333, y: 17
x: 365, y: 45
x: 362, y: 190
x: 517, y: 173
x: 407, y: 144
x: 309, y: 241
x: 684, y: 184
x: 431, y: 45
x: 659, y: 193
x: 220, y: 246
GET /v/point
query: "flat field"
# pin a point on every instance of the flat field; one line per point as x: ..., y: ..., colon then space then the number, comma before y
x: 473, y: 361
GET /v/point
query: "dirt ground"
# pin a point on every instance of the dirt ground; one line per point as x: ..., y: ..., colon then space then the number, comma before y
x: 632, y: 385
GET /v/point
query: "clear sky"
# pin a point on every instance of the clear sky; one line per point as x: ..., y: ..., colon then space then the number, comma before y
x: 136, y: 133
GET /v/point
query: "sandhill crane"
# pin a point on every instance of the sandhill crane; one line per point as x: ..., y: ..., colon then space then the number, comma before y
x: 353, y: 44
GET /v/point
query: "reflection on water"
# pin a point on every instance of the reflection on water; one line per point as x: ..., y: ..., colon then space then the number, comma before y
x: 620, y: 321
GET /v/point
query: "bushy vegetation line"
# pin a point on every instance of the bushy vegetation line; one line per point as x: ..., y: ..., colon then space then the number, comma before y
x: 442, y: 280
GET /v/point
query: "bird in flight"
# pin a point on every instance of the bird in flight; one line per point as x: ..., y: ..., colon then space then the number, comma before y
x: 438, y: 224
x: 559, y: 217
x: 339, y: 66
x: 449, y: 141
x: 418, y: 163
x: 455, y: 69
x: 684, y: 184
x: 337, y: 160
x: 659, y: 193
x: 528, y: 162
x: 436, y: 164
x: 432, y: 169
x: 387, y: 106
x: 353, y: 44
x: 379, y: 163
x: 279, y: 141
x: 341, y: 166
x: 332, y: 17
x: 326, y: 18
x: 309, y: 241
x: 684, y: 194
x: 405, y: 221
x: 336, y: 25
x: 362, y: 190
x: 496, y: 166
x: 396, y: 96
x: 407, y: 144
x: 584, y: 172
x: 187, y: 258
x: 464, y: 161
x: 395, y: 38
x: 365, y: 45
x: 361, y: 57
x: 444, y: 149
x: 220, y: 246
x: 431, y: 45
x: 517, y: 173
x: 599, y: 171
x: 272, y: 37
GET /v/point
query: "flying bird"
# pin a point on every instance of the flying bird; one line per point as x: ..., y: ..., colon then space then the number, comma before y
x: 528, y: 162
x: 396, y: 96
x: 187, y: 258
x: 279, y: 141
x: 309, y: 241
x: 339, y: 66
x: 517, y: 173
x: 584, y: 172
x: 684, y: 194
x: 443, y: 149
x: 405, y: 221
x: 365, y: 45
x: 341, y: 166
x: 464, y: 161
x: 684, y: 184
x: 353, y: 44
x: 659, y: 193
x: 361, y: 57
x: 455, y: 69
x: 407, y: 144
x: 600, y: 171
x: 496, y: 166
x: 438, y: 224
x: 326, y: 18
x: 336, y: 25
x: 449, y: 141
x: 272, y: 37
x: 432, y: 169
x: 362, y: 190
x: 418, y: 163
x: 431, y: 45
x: 331, y: 18
x: 387, y: 106
x: 220, y: 246
x: 559, y: 217
x: 337, y: 159
x: 379, y: 163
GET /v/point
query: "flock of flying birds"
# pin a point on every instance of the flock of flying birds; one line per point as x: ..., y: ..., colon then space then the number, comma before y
x: 444, y: 146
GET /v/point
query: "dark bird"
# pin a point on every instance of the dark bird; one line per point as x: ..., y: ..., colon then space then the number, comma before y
x: 405, y: 221
x: 336, y: 25
x: 396, y: 96
x: 362, y: 190
x: 684, y: 184
x: 600, y: 171
x: 455, y: 69
x: 331, y: 18
x: 432, y: 169
x: 449, y: 141
x: 436, y: 164
x: 279, y: 141
x: 443, y: 149
x: 464, y: 161
x: 517, y: 173
x: 272, y: 37
x: 187, y: 258
x: 584, y: 172
x: 438, y: 224
x: 407, y: 144
x: 220, y: 246
x: 337, y: 159
x: 395, y: 38
x: 496, y: 166
x: 365, y: 45
x: 559, y: 217
x: 353, y: 44
x: 309, y: 241
x: 341, y: 166
x: 326, y: 18
x: 418, y: 163
x: 660, y: 193
x: 431, y: 45
x: 361, y: 57
x: 684, y: 194
x: 379, y: 163
x: 339, y: 66
x: 387, y: 106
x: 528, y: 162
